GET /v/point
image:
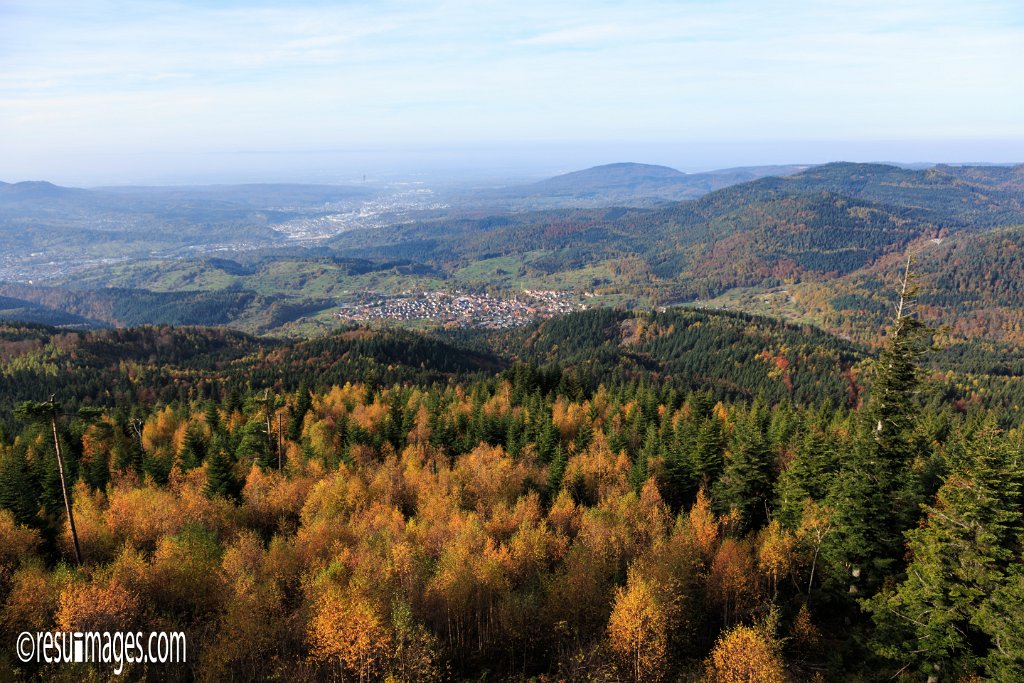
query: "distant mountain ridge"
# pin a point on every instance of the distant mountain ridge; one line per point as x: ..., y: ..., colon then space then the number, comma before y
x: 610, y: 175
x: 249, y: 194
x: 36, y: 190
x: 631, y: 184
x: 824, y: 208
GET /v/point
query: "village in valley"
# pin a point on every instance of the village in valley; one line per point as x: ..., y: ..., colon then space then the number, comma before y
x: 460, y: 309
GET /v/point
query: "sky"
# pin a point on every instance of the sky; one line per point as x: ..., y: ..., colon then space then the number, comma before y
x: 108, y: 92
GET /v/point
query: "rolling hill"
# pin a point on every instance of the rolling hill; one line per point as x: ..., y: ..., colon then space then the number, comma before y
x: 731, y: 355
x: 684, y: 348
x: 20, y: 310
x: 30, y: 192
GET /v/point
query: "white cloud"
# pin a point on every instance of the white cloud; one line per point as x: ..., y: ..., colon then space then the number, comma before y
x: 574, y: 36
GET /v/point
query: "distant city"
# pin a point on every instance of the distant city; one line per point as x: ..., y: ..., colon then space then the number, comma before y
x: 388, y: 209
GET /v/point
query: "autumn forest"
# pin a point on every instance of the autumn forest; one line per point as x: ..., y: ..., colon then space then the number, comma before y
x: 525, y: 521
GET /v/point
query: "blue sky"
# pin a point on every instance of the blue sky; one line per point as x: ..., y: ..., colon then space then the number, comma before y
x: 104, y: 91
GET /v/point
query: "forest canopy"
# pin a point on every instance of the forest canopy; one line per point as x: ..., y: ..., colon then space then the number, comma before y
x: 663, y: 496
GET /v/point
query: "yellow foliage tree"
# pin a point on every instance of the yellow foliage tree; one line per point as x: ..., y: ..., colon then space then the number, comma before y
x: 815, y: 526
x: 346, y: 626
x: 731, y: 578
x: 638, y: 630
x: 107, y: 606
x: 94, y: 536
x: 745, y: 655
x: 32, y: 599
x: 17, y: 544
x: 704, y: 525
x: 775, y: 554
x: 158, y: 433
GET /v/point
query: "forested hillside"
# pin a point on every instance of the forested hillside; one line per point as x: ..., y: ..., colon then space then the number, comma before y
x: 19, y: 310
x: 124, y: 307
x: 733, y: 356
x: 727, y: 498
x: 967, y: 283
x: 138, y: 368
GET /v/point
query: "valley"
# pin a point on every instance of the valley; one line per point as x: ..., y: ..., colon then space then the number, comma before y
x: 819, y: 245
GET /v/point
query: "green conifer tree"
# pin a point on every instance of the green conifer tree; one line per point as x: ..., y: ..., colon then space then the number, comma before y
x: 220, y: 475
x: 584, y: 435
x: 212, y: 417
x: 46, y: 413
x: 19, y: 490
x: 807, y: 476
x: 556, y: 472
x: 1000, y: 619
x: 875, y: 495
x: 253, y: 446
x: 193, y: 449
x: 547, y: 439
x: 639, y: 473
x: 706, y: 452
x: 960, y: 558
x: 746, y: 481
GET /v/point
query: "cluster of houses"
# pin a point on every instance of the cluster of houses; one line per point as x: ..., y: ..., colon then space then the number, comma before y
x: 458, y: 309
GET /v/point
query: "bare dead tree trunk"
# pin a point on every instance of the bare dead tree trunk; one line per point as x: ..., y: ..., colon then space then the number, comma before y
x: 903, y: 302
x: 280, y: 443
x: 63, y: 482
x: 266, y: 413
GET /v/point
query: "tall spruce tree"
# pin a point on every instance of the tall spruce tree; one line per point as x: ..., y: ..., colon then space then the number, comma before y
x: 127, y: 452
x: 1000, y: 619
x: 746, y: 481
x: 584, y: 435
x: 875, y: 495
x: 212, y: 417
x: 193, y: 448
x: 806, y: 476
x: 556, y: 472
x: 932, y: 620
x: 220, y: 475
x: 706, y: 451
x: 19, y: 490
x: 303, y: 402
x: 638, y: 473
x: 679, y: 485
